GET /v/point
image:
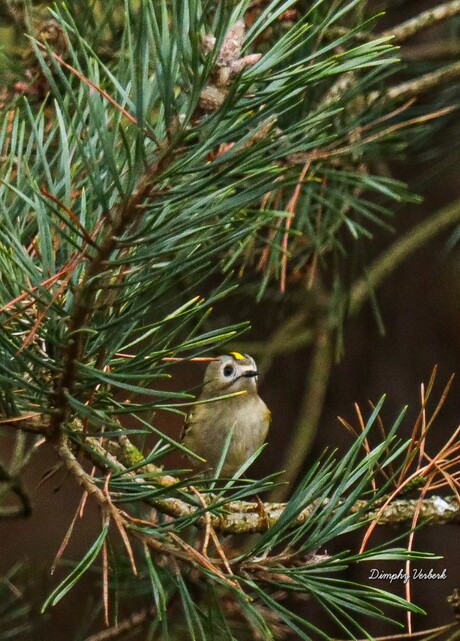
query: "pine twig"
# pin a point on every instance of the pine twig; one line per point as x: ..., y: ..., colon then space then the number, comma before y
x: 432, y: 633
x: 424, y: 20
x: 418, y: 86
x: 241, y: 517
x: 401, y: 32
x: 123, y: 216
x: 34, y: 423
x: 129, y: 624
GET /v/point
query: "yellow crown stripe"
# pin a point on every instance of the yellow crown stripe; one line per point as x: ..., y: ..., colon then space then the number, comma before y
x: 238, y: 356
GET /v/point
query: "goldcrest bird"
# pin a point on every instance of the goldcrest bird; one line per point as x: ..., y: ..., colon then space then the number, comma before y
x: 208, y: 424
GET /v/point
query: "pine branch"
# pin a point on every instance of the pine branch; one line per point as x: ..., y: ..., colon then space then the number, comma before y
x: 128, y: 624
x: 398, y: 34
x: 418, y: 86
x: 403, y: 31
x: 32, y: 423
x: 124, y: 216
x: 241, y: 517
x: 324, y: 505
x: 425, y: 635
x: 424, y: 20
x: 90, y: 486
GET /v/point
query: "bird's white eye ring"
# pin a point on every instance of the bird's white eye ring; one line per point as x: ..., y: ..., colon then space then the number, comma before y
x: 228, y: 370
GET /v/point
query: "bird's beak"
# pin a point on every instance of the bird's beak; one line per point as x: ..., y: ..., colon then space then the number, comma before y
x: 251, y: 373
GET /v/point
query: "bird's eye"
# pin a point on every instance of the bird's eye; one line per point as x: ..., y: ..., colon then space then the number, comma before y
x: 228, y: 370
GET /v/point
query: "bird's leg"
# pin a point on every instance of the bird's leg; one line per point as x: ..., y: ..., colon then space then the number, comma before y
x: 262, y: 512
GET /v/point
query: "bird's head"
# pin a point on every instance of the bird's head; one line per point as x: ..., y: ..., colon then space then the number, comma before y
x: 231, y: 373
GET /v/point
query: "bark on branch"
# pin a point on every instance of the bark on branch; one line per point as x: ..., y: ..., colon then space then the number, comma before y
x: 424, y: 20
x: 242, y: 517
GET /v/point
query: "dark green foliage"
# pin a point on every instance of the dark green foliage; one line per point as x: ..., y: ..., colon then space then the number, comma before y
x: 76, y: 164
